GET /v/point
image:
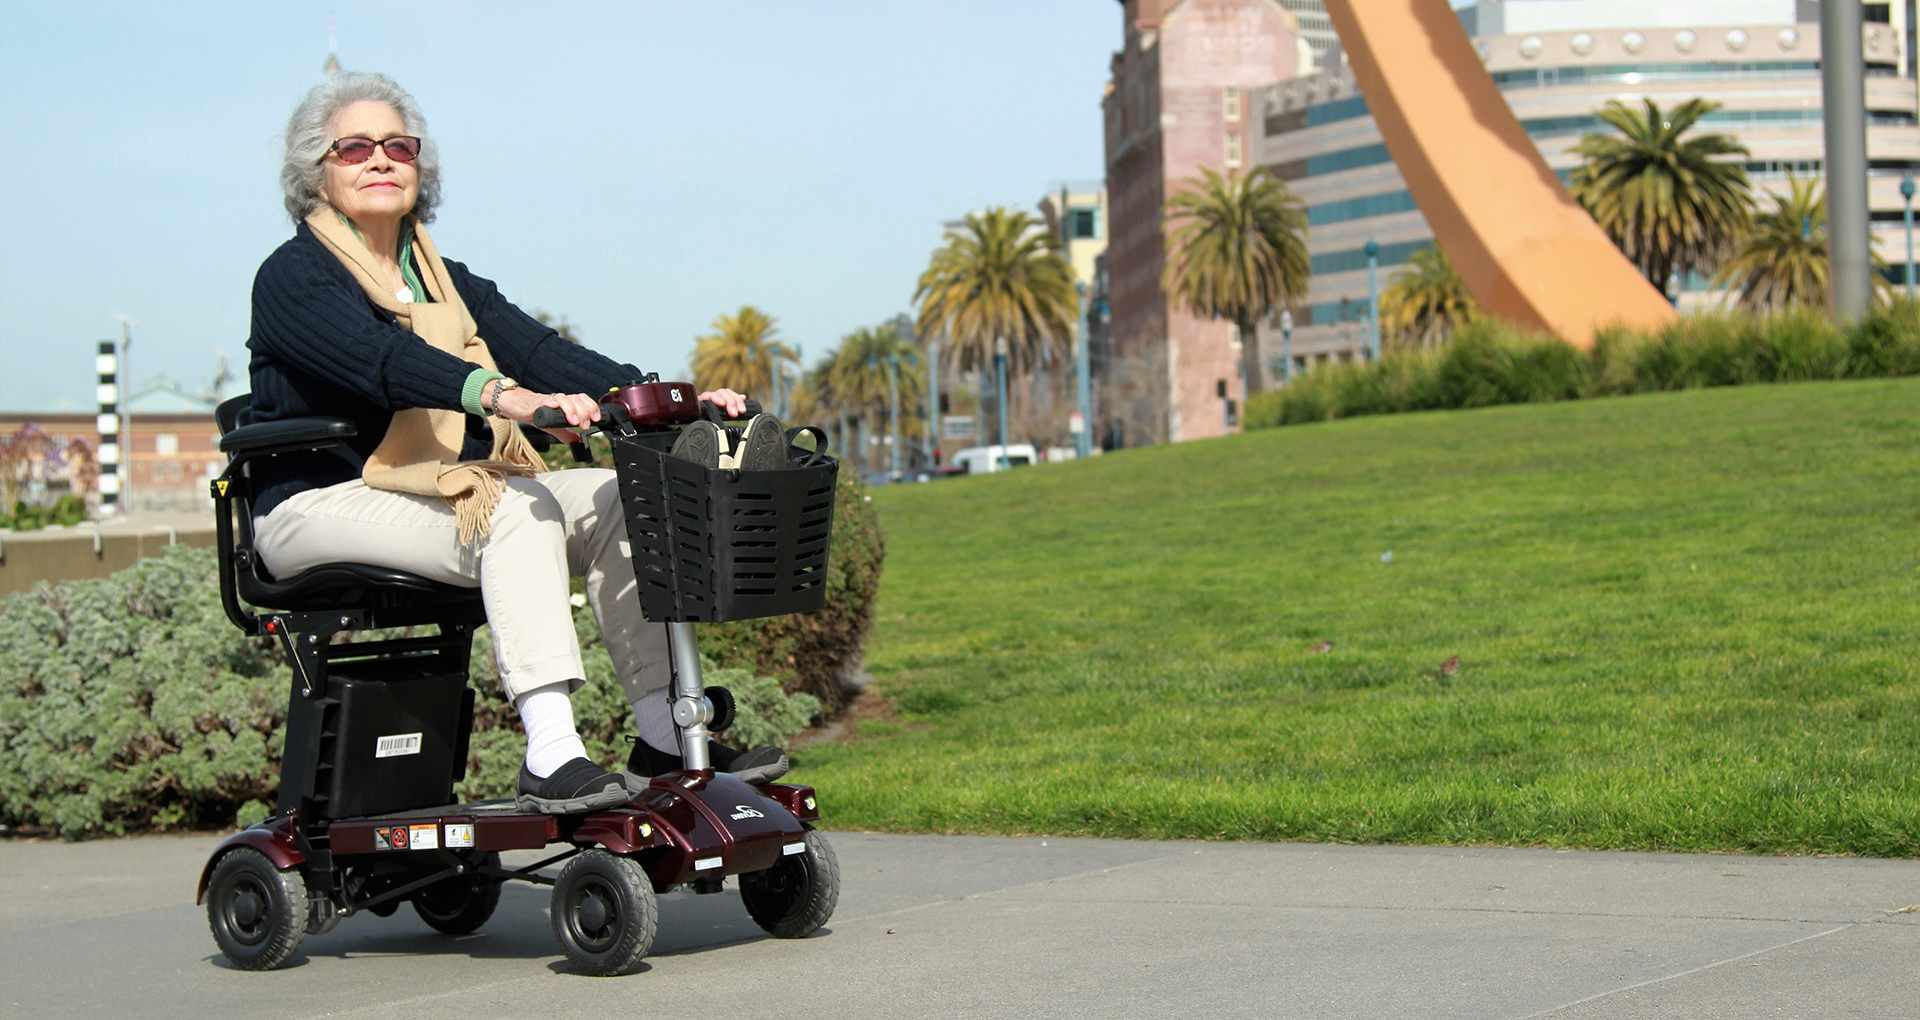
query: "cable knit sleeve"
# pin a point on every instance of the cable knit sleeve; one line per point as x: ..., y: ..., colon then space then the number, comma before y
x: 534, y: 354
x: 320, y: 323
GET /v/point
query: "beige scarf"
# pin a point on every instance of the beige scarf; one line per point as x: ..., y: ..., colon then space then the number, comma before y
x: 421, y: 451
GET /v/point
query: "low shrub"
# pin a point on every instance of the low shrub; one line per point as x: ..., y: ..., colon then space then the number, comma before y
x: 67, y: 510
x: 1490, y: 362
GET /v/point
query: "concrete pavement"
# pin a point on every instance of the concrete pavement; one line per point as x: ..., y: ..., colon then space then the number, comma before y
x: 966, y: 926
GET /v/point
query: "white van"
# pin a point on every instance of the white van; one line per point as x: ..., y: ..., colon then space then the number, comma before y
x: 980, y: 460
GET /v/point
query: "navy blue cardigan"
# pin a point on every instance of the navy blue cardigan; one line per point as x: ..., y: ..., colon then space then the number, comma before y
x: 320, y: 347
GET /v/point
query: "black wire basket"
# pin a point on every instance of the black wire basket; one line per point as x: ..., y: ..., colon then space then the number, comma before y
x: 712, y: 544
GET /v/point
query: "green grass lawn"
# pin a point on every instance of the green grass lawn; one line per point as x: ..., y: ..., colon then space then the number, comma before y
x: 1682, y: 621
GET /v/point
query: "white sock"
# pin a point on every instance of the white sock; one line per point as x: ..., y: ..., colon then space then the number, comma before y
x: 653, y: 720
x: 547, y: 714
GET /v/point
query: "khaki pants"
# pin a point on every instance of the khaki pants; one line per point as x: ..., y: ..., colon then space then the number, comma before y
x: 547, y: 528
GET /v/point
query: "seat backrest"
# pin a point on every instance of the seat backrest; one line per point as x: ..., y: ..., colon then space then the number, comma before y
x: 226, y: 417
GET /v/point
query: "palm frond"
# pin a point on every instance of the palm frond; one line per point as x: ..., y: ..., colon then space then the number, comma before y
x: 1236, y: 250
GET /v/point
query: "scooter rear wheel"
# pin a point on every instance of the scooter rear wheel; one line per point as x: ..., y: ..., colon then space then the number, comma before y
x: 604, y: 913
x: 257, y: 912
x: 792, y: 899
x: 461, y: 904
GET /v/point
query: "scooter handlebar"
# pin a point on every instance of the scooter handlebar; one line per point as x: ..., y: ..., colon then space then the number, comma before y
x: 554, y: 418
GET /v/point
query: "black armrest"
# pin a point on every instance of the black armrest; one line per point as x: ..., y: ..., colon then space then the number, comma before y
x: 288, y: 434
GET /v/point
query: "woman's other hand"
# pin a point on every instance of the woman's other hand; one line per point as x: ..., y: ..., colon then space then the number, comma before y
x: 520, y: 405
x: 734, y: 404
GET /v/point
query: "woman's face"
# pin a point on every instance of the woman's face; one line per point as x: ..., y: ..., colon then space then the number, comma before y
x: 378, y: 189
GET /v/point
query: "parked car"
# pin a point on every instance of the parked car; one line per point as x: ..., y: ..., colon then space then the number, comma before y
x: 979, y: 460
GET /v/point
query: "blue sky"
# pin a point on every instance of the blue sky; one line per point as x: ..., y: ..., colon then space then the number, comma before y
x: 639, y: 167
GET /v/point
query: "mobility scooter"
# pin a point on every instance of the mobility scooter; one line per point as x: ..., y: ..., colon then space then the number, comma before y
x: 377, y: 730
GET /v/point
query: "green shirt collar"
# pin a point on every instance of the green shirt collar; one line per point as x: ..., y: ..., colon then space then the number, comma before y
x: 407, y: 272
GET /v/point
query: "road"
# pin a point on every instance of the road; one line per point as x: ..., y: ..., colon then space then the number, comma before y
x: 984, y: 927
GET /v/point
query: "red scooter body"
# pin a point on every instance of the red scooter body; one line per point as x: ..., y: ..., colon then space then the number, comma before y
x: 685, y: 826
x: 655, y: 404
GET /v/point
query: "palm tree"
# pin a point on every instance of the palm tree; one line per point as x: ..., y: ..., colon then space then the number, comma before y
x: 1782, y: 260
x: 859, y: 374
x: 998, y: 289
x: 740, y: 353
x: 1425, y: 303
x: 1237, y: 251
x: 1672, y: 203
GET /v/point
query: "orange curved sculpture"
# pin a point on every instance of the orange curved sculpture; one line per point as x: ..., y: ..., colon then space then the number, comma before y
x: 1524, y: 247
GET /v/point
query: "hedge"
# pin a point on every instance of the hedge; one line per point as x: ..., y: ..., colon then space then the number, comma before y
x: 1492, y: 362
x: 131, y: 703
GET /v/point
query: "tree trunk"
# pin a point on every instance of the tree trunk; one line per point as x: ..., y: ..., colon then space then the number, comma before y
x: 1250, y: 365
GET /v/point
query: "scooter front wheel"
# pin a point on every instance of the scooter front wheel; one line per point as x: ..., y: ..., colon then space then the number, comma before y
x: 795, y: 897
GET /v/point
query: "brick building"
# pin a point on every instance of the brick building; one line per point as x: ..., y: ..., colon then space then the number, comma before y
x: 1180, y: 97
x: 170, y: 457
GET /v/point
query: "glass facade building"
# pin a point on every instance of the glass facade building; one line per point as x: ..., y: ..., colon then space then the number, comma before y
x: 1315, y: 133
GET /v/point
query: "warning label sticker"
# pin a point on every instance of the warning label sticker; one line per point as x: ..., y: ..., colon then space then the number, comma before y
x: 424, y: 837
x: 390, y: 837
x: 459, y: 835
x: 397, y: 745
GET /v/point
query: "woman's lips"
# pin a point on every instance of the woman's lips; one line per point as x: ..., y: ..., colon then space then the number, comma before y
x: 380, y: 184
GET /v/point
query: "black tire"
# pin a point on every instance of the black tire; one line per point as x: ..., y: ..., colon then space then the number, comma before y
x: 792, y: 899
x: 604, y: 913
x: 257, y: 912
x: 461, y: 904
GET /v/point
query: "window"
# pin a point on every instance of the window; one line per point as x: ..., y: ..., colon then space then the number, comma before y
x: 1230, y: 104
x: 1083, y: 224
x: 1233, y: 150
x: 166, y: 443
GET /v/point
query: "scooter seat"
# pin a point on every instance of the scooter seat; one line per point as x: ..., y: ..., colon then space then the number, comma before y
x: 352, y: 586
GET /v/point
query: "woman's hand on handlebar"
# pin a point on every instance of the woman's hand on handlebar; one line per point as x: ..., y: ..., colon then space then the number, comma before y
x: 521, y: 404
x: 734, y: 404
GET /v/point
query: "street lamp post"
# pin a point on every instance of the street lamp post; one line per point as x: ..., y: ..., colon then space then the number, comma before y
x: 933, y: 398
x: 1906, y: 192
x: 893, y: 414
x: 1000, y: 381
x: 778, y: 407
x: 1844, y: 128
x: 1286, y: 345
x: 1372, y: 251
x: 1083, y: 439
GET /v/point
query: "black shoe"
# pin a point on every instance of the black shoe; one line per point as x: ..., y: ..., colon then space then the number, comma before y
x: 574, y: 788
x: 760, y: 765
x: 762, y: 446
x: 702, y: 442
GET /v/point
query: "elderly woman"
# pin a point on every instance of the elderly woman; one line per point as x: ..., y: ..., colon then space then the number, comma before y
x: 359, y: 317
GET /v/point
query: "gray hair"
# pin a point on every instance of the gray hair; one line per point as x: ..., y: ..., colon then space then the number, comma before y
x: 308, y: 140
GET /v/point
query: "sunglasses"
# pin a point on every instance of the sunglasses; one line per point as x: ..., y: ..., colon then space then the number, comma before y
x: 358, y: 149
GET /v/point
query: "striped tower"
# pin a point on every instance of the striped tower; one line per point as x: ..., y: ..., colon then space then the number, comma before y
x: 106, y: 363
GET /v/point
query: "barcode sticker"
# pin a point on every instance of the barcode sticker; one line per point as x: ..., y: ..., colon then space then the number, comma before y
x: 396, y: 745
